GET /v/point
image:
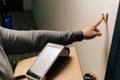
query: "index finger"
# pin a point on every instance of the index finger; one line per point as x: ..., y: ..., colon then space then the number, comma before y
x: 99, y: 21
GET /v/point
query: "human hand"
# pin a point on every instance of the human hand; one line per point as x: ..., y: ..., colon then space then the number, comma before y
x: 92, y: 31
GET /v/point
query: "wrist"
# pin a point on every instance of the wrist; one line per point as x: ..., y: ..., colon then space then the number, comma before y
x: 80, y: 35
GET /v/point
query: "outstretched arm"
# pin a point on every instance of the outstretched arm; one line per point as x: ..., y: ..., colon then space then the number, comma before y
x: 14, y: 41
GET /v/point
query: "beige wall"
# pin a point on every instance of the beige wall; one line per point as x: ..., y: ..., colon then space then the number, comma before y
x: 75, y: 15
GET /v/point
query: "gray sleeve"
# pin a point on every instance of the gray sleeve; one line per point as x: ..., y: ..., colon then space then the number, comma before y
x: 15, y: 41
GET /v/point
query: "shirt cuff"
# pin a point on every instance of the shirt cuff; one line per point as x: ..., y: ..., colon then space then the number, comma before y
x: 79, y: 36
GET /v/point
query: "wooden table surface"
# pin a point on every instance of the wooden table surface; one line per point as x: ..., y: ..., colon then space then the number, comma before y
x: 70, y: 70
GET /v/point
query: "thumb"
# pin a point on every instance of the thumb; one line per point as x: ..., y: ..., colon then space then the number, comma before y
x: 98, y: 33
